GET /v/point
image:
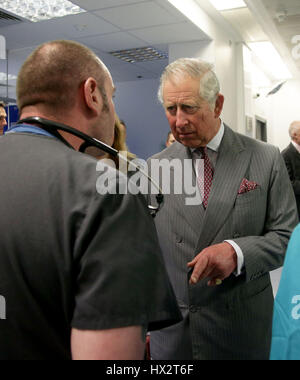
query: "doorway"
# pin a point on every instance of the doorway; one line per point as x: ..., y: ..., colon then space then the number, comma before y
x: 261, y: 129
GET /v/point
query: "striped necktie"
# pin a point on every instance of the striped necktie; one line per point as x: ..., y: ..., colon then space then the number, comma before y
x: 208, y: 176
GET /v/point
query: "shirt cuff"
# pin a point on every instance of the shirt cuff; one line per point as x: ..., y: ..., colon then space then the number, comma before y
x: 240, y: 257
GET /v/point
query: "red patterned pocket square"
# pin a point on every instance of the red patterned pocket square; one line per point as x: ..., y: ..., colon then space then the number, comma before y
x: 247, y: 186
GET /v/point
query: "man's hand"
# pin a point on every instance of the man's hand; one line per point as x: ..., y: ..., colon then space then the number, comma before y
x: 216, y: 263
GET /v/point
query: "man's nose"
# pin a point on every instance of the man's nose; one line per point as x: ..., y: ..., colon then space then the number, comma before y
x: 181, y: 119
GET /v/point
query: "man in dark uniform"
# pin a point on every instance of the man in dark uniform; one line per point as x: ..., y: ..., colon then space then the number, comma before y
x: 291, y: 157
x: 81, y: 273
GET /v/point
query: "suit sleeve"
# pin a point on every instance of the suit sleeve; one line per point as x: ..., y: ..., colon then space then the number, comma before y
x: 266, y: 253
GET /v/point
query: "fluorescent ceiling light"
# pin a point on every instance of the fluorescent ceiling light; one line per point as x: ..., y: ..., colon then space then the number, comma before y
x: 38, y: 10
x: 270, y: 58
x: 222, y: 5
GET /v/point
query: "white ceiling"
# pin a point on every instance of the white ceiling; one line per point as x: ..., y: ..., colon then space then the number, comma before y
x: 268, y: 14
x: 286, y: 16
x: 112, y: 25
x: 108, y: 25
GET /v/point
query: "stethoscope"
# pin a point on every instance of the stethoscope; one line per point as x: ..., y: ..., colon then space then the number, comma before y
x: 53, y: 128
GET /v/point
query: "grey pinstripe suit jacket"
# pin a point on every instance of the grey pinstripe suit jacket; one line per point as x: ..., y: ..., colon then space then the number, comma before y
x: 233, y: 320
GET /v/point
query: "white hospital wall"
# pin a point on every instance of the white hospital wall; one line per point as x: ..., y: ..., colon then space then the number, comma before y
x: 280, y: 110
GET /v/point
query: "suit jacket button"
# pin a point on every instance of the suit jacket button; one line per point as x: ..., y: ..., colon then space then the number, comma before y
x: 193, y: 309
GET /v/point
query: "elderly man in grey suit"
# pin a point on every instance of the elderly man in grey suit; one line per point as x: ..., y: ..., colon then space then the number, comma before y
x: 219, y: 253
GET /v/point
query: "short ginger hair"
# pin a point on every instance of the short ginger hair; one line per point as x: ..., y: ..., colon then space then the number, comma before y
x: 54, y: 72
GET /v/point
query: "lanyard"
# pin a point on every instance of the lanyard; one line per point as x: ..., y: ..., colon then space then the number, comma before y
x: 26, y: 128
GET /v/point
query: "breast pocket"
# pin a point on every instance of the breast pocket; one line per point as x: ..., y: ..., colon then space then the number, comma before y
x: 249, y: 197
x: 249, y: 212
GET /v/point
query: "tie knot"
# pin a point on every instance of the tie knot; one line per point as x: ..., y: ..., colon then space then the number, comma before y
x: 203, y: 151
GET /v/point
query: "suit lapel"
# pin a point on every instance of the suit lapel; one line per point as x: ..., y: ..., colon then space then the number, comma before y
x: 294, y: 151
x: 232, y: 164
x: 193, y: 214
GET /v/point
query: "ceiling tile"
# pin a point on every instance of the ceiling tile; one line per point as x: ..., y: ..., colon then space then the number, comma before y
x: 137, y: 15
x: 114, y: 41
x: 91, y: 5
x: 180, y: 32
x: 83, y: 25
x: 70, y: 27
x: 171, y: 9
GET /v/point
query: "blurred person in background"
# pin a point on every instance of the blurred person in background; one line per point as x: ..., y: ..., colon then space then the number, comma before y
x: 123, y: 126
x: 3, y: 116
x: 120, y: 142
x: 291, y: 157
x: 170, y: 139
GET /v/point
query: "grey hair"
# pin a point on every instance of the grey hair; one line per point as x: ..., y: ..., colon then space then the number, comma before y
x: 209, y: 86
x: 294, y: 128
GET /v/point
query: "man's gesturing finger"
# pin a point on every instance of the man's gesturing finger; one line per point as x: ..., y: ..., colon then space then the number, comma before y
x: 201, y: 268
x: 216, y: 262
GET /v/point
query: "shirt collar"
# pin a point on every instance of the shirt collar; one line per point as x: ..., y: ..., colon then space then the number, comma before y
x: 215, y: 143
x: 27, y: 128
x: 296, y: 146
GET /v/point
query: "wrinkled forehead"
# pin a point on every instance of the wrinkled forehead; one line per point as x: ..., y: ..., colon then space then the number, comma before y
x: 180, y: 88
x: 177, y: 78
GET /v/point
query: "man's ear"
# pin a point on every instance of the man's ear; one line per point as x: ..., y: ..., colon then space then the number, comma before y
x: 92, y: 96
x: 219, y: 105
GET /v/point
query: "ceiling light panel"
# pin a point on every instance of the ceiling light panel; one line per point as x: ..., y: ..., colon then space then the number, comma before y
x: 271, y: 59
x: 39, y: 10
x: 223, y: 5
x: 143, y: 54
